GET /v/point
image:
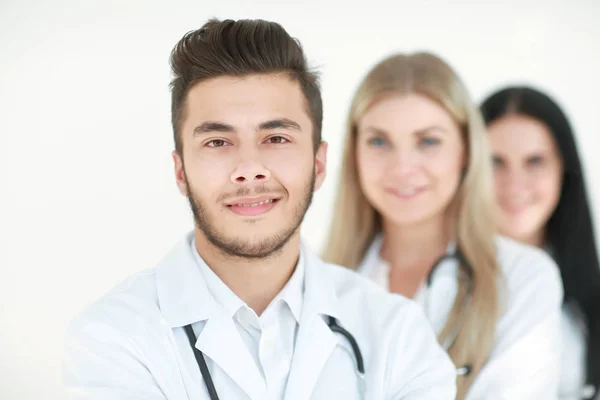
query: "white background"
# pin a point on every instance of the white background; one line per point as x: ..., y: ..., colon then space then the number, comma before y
x: 87, y: 190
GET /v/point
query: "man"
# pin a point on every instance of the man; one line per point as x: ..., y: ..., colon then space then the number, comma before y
x: 240, y: 309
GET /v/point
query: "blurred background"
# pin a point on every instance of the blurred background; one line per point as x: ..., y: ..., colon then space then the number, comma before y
x: 87, y: 191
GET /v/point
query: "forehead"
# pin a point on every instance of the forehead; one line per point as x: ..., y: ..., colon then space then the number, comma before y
x: 406, y: 113
x: 247, y: 100
x: 521, y: 134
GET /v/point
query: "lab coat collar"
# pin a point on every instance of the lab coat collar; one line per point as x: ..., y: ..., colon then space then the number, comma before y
x: 182, y: 293
x: 291, y: 294
x: 218, y: 290
x: 185, y: 299
x: 315, y: 341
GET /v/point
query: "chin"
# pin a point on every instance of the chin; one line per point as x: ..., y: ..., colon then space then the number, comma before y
x: 407, y: 219
x: 521, y: 235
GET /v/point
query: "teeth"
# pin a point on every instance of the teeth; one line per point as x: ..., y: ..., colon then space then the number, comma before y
x: 407, y: 192
x: 256, y: 204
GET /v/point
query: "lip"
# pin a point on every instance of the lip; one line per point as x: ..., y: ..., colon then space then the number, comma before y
x: 252, y: 206
x: 516, y: 210
x: 406, y: 195
x: 250, y: 200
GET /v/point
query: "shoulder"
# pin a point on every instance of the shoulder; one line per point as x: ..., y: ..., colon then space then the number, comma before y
x: 525, y: 266
x: 532, y: 292
x: 115, y: 339
x: 123, y: 307
x: 361, y: 295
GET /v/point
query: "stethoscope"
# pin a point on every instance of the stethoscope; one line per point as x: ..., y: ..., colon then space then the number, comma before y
x: 333, y: 325
x: 336, y: 328
x: 587, y: 392
x: 459, y: 257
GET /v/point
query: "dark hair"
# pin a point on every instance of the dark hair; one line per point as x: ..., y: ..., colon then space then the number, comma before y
x: 240, y: 48
x: 569, y: 231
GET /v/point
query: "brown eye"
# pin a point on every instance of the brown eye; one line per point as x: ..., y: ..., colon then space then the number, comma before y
x: 277, y: 140
x: 217, y: 143
x: 497, y: 161
x: 535, y: 161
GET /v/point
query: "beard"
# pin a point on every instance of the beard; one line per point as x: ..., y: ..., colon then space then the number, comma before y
x: 260, y: 247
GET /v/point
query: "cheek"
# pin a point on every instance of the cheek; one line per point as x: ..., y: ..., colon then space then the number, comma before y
x: 370, y: 168
x: 290, y: 168
x: 206, y: 174
x: 501, y: 184
x: 446, y: 169
x: 548, y: 190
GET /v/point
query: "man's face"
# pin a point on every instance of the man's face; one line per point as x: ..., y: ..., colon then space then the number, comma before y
x: 248, y: 166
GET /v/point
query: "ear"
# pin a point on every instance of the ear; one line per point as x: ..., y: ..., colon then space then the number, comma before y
x: 179, y: 173
x: 320, y: 165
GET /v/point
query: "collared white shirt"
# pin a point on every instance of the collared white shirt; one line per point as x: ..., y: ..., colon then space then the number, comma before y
x: 525, y: 360
x: 270, y: 338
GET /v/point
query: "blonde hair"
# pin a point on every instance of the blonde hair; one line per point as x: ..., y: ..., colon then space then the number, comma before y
x: 356, y: 222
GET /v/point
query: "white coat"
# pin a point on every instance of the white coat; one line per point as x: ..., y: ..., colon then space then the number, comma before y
x: 525, y: 360
x: 130, y: 344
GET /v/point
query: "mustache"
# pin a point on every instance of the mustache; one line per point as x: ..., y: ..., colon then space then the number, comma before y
x: 246, y: 191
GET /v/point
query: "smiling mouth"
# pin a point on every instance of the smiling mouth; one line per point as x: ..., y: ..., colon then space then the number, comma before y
x: 253, y: 207
x: 253, y: 204
x: 406, y: 193
x: 516, y: 210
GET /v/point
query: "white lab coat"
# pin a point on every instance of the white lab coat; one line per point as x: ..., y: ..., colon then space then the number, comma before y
x: 573, y: 362
x: 525, y: 360
x: 131, y: 345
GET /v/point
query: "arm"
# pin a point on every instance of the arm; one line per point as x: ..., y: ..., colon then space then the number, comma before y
x: 101, y: 363
x: 419, y: 367
x: 525, y: 362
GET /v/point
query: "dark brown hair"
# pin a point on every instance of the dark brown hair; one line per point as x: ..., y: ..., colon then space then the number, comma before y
x: 570, y: 230
x: 240, y: 48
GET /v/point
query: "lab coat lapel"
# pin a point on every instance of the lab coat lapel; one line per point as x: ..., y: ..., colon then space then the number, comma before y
x: 314, y: 346
x: 220, y: 341
x: 184, y: 299
x: 315, y: 341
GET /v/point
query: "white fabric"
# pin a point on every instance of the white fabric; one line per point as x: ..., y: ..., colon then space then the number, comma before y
x: 130, y: 344
x: 573, y: 360
x: 525, y: 361
x: 572, y: 378
x: 269, y: 338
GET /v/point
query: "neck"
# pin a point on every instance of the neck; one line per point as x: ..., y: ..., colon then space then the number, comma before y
x: 537, y: 239
x: 256, y: 281
x: 415, y: 246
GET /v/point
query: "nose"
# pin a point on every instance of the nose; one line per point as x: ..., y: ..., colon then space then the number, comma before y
x: 402, y: 162
x: 250, y: 171
x: 515, y: 182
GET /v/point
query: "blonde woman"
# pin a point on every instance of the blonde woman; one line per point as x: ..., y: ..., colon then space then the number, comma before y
x: 414, y: 214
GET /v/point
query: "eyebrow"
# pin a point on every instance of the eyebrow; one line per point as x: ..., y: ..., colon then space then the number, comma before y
x: 374, y: 130
x: 280, y: 123
x: 430, y: 129
x: 210, y: 126
x: 422, y: 131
